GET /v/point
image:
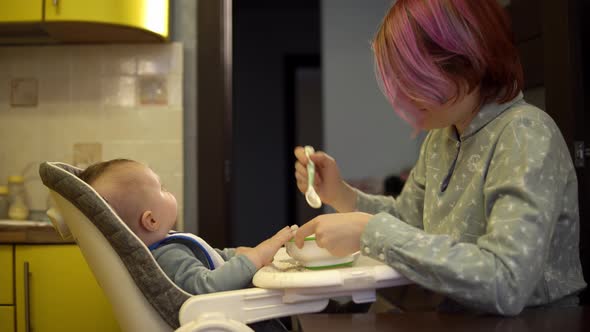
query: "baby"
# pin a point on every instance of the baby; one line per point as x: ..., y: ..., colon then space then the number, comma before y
x: 135, y: 192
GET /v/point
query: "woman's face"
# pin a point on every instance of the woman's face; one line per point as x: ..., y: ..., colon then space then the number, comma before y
x: 459, y: 113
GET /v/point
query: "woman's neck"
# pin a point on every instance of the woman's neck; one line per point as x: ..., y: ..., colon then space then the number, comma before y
x: 469, y: 107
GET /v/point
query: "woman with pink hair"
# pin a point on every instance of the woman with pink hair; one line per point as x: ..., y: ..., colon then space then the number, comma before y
x: 488, y: 217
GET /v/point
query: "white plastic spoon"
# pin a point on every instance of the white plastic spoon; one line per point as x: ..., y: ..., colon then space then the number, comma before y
x: 311, y: 196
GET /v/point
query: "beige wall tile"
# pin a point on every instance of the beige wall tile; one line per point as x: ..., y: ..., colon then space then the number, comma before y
x: 174, y: 184
x: 129, y: 149
x: 118, y: 91
x: 88, y: 94
x: 168, y: 156
x: 155, y: 60
x: 54, y: 90
x: 4, y: 91
x: 120, y: 124
x: 161, y: 156
x: 87, y: 61
x: 175, y: 91
x: 55, y: 60
x: 23, y: 62
x: 5, y: 60
x: 176, y: 59
x: 85, y: 92
x: 19, y: 124
x: 37, y: 193
x: 119, y: 60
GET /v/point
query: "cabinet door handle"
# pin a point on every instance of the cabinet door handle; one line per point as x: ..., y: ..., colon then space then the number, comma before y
x: 27, y: 295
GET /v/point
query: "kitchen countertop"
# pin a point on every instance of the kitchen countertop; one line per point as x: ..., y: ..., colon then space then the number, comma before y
x: 31, y: 232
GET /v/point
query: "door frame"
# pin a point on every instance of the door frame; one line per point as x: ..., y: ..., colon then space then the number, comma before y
x: 214, y: 119
x: 565, y: 82
x: 291, y: 64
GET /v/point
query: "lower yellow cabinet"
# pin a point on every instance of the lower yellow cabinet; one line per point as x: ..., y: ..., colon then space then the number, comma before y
x: 6, y: 288
x: 55, y: 291
x: 6, y: 318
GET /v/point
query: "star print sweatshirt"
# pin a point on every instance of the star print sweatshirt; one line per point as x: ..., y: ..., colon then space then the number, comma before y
x: 489, y: 218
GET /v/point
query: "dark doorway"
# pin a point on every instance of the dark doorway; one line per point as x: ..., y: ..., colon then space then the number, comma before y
x: 304, y: 125
x: 553, y: 39
x: 245, y: 126
x: 580, y: 48
x: 267, y: 36
x: 566, y: 77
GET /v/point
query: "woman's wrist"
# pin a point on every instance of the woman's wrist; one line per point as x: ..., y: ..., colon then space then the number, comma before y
x: 346, y: 200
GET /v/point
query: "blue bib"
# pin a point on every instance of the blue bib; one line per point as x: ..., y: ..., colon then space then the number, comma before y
x: 199, y: 247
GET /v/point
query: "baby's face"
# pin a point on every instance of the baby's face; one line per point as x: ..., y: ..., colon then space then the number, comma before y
x: 162, y: 203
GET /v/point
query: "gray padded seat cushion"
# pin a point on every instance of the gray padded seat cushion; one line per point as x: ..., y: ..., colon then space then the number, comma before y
x: 160, y: 291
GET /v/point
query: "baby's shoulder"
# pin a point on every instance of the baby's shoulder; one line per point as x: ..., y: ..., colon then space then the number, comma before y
x: 172, y: 249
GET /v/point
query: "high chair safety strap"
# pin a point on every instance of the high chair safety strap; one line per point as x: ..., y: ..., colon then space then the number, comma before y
x: 199, y: 247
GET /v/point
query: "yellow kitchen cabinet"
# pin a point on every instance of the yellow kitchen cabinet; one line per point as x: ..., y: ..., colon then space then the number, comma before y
x: 55, y: 291
x: 87, y: 21
x: 6, y: 276
x: 148, y: 15
x: 21, y: 11
x: 6, y: 289
x: 6, y: 318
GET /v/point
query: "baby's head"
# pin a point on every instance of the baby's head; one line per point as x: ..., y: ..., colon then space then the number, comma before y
x: 134, y: 191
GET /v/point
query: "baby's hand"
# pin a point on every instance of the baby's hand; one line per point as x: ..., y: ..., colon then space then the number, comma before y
x: 263, y: 253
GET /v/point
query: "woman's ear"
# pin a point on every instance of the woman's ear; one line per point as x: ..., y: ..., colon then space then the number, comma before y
x: 148, y: 222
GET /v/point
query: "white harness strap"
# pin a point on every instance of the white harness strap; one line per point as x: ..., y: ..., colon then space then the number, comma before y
x: 213, y: 256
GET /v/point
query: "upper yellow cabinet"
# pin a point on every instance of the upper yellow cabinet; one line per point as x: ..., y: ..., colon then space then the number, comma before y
x: 83, y: 21
x: 21, y: 11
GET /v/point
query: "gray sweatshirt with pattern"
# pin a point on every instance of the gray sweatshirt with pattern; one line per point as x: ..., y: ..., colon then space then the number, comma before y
x: 193, y: 274
x: 490, y: 218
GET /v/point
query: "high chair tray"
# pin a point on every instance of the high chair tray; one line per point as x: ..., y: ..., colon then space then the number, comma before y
x: 365, y: 272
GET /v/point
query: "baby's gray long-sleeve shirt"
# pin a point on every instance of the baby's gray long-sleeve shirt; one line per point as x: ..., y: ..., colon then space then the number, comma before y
x: 189, y: 273
x: 489, y: 219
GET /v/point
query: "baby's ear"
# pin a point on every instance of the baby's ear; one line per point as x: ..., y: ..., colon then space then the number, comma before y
x: 148, y: 222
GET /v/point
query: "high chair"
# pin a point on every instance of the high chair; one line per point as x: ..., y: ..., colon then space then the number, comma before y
x: 145, y: 299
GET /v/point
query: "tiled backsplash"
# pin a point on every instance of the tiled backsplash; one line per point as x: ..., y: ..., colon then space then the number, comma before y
x: 126, y: 98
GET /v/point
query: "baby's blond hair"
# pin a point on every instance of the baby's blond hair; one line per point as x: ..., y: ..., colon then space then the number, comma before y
x: 116, y: 182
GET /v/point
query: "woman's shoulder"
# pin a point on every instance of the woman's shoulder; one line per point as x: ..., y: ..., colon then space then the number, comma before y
x: 523, y: 112
x: 526, y: 122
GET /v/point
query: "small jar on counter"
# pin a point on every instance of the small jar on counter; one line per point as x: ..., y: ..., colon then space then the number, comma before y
x: 18, y: 209
x: 4, y: 203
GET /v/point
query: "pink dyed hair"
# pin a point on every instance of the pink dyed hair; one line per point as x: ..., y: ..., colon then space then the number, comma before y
x: 430, y: 52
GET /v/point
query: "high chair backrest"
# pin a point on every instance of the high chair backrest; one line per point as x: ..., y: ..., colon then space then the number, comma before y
x: 142, y: 296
